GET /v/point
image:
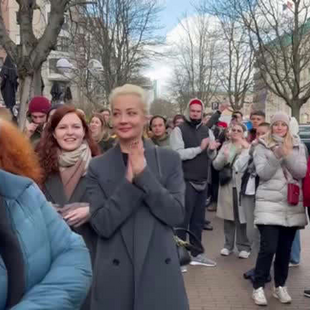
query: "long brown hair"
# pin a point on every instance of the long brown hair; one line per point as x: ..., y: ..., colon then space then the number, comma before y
x: 104, y: 134
x: 47, y: 149
x: 17, y: 155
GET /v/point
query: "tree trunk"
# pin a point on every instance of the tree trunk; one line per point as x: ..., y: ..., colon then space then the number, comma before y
x: 25, y: 95
x: 37, y: 83
x: 295, y: 110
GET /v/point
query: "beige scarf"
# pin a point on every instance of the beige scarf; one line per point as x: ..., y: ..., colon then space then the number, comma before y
x: 73, y: 165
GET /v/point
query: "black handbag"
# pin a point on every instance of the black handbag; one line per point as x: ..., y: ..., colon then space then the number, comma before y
x: 226, y: 174
x: 183, y: 247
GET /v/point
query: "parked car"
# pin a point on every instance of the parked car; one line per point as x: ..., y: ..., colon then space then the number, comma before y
x: 304, y: 133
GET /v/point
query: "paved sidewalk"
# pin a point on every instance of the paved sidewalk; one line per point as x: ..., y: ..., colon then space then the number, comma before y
x: 223, y: 287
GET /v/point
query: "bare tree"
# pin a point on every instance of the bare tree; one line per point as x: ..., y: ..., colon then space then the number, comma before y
x: 32, y: 51
x: 236, y: 57
x: 280, y: 37
x: 163, y: 107
x: 121, y: 35
x: 195, y: 60
x: 179, y: 90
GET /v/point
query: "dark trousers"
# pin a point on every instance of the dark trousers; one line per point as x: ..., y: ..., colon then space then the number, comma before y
x: 274, y: 240
x: 195, y: 213
x: 214, y: 187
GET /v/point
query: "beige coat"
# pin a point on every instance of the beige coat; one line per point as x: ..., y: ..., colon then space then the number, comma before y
x: 225, y: 205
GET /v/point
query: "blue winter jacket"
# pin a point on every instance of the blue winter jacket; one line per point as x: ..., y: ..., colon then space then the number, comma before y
x: 57, y: 262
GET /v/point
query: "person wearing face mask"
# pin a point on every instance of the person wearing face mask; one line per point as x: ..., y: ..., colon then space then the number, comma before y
x: 136, y: 193
x: 65, y: 151
x: 44, y: 265
x: 280, y: 162
x: 192, y: 141
x: 229, y: 207
x: 100, y: 132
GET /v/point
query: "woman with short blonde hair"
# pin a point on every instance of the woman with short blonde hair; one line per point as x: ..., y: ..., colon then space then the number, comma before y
x: 136, y: 196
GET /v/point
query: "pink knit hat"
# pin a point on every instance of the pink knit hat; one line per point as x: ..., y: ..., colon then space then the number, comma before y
x: 280, y: 117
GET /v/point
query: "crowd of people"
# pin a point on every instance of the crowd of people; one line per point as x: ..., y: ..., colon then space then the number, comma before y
x: 90, y: 203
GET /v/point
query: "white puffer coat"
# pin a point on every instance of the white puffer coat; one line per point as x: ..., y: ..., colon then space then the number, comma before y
x: 271, y: 206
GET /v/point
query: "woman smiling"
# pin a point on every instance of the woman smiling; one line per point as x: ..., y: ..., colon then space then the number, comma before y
x: 280, y: 161
x: 100, y: 132
x: 136, y: 196
x: 65, y: 152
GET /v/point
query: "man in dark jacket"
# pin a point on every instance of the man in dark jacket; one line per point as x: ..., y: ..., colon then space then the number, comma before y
x: 192, y: 141
x: 37, y: 111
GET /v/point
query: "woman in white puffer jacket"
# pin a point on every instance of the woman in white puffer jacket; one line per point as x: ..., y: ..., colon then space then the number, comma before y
x: 279, y: 159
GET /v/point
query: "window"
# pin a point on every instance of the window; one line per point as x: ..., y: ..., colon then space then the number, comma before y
x: 65, y: 25
x: 52, y: 65
x: 63, y: 44
x: 17, y: 39
x: 17, y: 18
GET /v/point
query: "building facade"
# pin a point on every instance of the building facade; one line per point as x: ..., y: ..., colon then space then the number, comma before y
x: 50, y: 75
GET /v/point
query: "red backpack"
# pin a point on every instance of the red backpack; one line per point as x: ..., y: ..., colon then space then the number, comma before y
x: 306, y: 187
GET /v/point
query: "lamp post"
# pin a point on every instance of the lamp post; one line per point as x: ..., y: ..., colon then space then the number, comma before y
x: 66, y: 68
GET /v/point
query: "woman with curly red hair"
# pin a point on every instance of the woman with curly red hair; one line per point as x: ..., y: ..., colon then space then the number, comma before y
x: 17, y: 155
x: 65, y: 151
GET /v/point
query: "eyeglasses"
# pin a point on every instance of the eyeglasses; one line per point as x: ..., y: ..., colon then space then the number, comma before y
x: 237, y: 130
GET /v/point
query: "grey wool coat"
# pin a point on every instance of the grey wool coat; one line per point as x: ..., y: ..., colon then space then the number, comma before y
x: 137, y: 266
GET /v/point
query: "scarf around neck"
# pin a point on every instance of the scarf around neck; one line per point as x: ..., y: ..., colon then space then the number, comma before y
x: 277, y: 138
x: 72, y: 166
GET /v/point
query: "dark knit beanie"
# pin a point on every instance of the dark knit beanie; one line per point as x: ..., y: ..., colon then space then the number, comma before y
x: 39, y: 104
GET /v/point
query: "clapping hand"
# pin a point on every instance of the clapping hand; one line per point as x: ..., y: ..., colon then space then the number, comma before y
x: 279, y: 151
x: 243, y: 143
x: 136, y: 160
x: 223, y: 106
x: 204, y: 143
x: 214, y: 145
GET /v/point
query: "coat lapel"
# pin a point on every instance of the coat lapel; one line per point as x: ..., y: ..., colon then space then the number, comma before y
x: 116, y: 174
x: 144, y: 221
x: 55, y: 189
